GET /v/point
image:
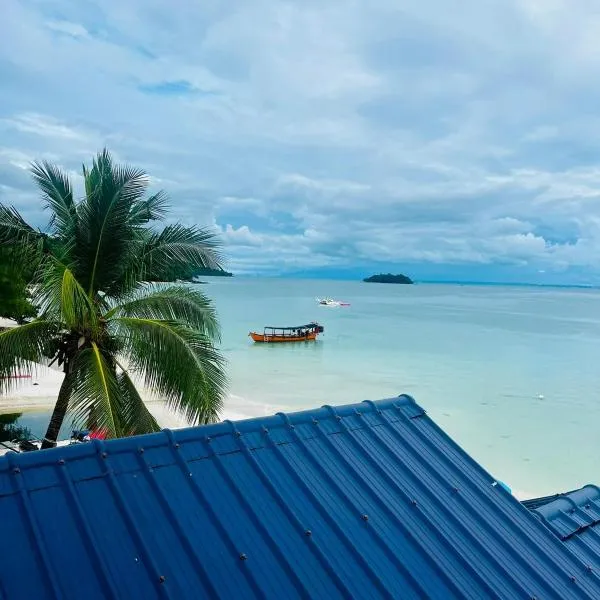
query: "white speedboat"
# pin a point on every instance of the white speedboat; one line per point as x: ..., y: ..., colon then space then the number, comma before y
x: 331, y: 302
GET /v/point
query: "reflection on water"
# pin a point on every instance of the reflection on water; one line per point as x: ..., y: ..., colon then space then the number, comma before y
x: 30, y: 425
x: 11, y: 428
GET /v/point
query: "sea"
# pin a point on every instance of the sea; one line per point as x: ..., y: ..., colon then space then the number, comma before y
x: 510, y: 372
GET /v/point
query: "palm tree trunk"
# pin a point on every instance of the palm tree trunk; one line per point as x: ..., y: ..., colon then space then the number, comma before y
x: 58, y: 414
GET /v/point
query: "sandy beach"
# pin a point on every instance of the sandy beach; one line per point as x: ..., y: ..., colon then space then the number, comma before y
x: 39, y: 393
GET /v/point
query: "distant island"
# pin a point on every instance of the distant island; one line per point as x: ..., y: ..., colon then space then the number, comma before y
x: 388, y: 278
x: 213, y: 273
x: 189, y: 274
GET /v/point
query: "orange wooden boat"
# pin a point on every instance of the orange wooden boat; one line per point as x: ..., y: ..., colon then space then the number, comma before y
x: 275, y: 335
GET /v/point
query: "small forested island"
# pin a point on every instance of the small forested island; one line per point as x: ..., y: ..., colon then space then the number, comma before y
x: 213, y: 273
x: 190, y: 274
x: 388, y: 278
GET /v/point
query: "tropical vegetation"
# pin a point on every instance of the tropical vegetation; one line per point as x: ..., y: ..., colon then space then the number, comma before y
x: 388, y: 278
x: 10, y: 430
x: 98, y: 317
x: 15, y: 273
x: 190, y: 273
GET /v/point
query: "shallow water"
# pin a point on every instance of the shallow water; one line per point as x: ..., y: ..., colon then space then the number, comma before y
x: 509, y: 372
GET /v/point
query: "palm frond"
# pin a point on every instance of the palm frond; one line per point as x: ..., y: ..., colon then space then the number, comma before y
x: 22, y: 348
x: 154, y: 208
x: 178, y: 247
x: 95, y: 394
x: 171, y: 303
x: 179, y: 363
x: 134, y: 416
x: 58, y: 197
x: 62, y: 296
x: 14, y: 231
x: 112, y: 192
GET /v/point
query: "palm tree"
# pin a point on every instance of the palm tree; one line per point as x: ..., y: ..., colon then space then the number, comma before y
x: 97, y: 317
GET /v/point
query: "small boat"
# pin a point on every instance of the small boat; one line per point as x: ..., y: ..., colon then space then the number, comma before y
x: 300, y: 333
x: 331, y: 302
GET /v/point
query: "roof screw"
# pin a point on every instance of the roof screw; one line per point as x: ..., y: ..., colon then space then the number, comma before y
x: 189, y: 474
x: 455, y: 489
x: 338, y: 418
x: 379, y: 411
x: 413, y: 502
x: 208, y: 439
x: 532, y: 597
x: 265, y: 430
x: 243, y: 556
x: 589, y: 568
x: 16, y: 470
x: 292, y: 426
x: 587, y: 506
x: 161, y: 579
x: 141, y: 450
x: 61, y: 461
x: 315, y: 421
x: 238, y: 434
x: 104, y: 455
x: 573, y: 578
x: 308, y: 533
x: 177, y: 445
x: 365, y: 517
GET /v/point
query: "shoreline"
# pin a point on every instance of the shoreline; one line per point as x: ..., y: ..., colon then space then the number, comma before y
x: 39, y: 394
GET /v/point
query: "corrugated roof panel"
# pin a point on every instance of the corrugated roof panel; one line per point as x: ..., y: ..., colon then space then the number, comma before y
x: 574, y: 517
x: 361, y: 501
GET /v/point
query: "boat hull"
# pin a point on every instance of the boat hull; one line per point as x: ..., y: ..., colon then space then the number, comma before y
x: 282, y: 339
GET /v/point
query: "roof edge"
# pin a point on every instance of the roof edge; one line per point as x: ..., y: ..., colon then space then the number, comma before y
x: 13, y: 460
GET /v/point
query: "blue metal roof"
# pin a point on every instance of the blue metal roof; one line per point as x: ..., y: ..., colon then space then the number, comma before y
x: 574, y: 518
x: 371, y: 500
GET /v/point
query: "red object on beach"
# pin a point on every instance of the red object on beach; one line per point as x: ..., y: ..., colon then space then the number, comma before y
x: 98, y: 434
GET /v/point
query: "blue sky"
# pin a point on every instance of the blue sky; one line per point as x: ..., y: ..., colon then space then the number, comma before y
x: 331, y: 137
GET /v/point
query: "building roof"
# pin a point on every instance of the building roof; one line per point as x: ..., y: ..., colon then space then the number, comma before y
x: 574, y: 517
x: 371, y: 500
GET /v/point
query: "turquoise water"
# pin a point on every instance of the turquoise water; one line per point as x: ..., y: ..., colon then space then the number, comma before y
x: 511, y: 373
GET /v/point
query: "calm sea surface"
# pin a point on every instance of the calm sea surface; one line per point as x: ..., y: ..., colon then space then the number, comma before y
x: 511, y: 373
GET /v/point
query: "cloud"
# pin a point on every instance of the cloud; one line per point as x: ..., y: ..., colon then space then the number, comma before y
x: 72, y: 29
x: 326, y: 135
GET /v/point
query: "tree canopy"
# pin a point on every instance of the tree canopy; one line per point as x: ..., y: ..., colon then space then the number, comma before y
x: 15, y: 274
x: 388, y: 278
x: 98, y: 319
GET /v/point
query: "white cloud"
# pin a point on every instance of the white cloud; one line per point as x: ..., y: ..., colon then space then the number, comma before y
x: 72, y: 29
x: 42, y: 125
x: 326, y: 134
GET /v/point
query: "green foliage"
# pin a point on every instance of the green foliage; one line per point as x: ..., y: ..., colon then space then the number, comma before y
x: 188, y: 273
x: 15, y: 273
x: 10, y: 429
x: 98, y: 318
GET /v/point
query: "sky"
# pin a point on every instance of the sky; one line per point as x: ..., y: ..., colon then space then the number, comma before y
x: 448, y: 141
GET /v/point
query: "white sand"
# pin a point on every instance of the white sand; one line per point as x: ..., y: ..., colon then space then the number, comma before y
x: 41, y: 390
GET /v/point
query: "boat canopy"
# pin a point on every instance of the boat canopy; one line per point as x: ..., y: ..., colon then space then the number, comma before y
x: 308, y: 326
